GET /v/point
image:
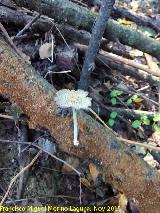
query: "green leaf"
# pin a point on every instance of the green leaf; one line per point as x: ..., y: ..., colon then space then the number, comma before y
x: 156, y: 117
x: 134, y: 97
x: 129, y: 101
x: 145, y: 119
x: 136, y: 124
x: 156, y: 128
x: 146, y: 122
x: 114, y: 101
x: 114, y: 93
x: 111, y: 122
x: 113, y: 115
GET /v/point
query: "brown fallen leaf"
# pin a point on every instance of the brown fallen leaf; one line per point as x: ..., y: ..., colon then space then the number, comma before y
x: 93, y: 171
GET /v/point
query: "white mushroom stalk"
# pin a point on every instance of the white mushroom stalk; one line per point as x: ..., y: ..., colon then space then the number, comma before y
x: 76, y: 99
x: 75, y: 141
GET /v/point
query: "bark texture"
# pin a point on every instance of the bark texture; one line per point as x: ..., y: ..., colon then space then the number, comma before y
x: 122, y: 168
x: 68, y: 12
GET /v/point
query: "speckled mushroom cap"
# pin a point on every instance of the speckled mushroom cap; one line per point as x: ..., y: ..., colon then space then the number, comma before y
x: 73, y: 98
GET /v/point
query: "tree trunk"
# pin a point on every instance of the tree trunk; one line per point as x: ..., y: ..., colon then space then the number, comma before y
x: 122, y: 168
x: 80, y: 17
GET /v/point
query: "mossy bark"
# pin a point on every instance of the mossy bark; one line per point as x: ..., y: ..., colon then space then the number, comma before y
x: 68, y: 12
x: 122, y: 168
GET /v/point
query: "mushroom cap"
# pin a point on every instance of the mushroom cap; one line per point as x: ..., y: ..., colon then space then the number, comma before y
x: 73, y: 98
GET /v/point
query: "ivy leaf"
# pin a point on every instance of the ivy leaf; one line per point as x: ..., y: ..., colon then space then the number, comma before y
x: 114, y: 93
x: 111, y: 122
x: 129, y: 101
x: 114, y: 101
x: 136, y: 124
x: 156, y: 117
x: 113, y: 115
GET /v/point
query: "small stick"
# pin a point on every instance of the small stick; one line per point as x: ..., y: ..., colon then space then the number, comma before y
x: 27, y: 26
x: 49, y: 153
x: 129, y: 62
x: 21, y: 54
x: 147, y: 146
x: 96, y: 36
x: 6, y: 116
x: 19, y: 174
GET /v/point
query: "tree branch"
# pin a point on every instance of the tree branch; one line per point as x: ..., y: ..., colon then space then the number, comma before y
x: 96, y: 36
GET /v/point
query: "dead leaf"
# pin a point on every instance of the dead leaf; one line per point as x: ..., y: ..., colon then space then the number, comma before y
x: 85, y: 182
x: 138, y: 100
x: 93, y: 171
x: 124, y: 21
x: 45, y: 51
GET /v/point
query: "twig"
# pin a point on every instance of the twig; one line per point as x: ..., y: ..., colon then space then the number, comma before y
x: 126, y: 140
x: 97, y: 33
x: 147, y: 146
x: 28, y: 25
x: 19, y: 174
x: 120, y: 67
x: 7, y: 116
x: 21, y: 54
x: 129, y: 62
x: 55, y: 157
x: 38, y: 147
x: 80, y: 3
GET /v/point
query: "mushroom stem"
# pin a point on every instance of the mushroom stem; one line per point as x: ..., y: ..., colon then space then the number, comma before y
x: 76, y: 142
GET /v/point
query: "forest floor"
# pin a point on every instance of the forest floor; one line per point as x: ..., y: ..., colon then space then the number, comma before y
x: 50, y: 182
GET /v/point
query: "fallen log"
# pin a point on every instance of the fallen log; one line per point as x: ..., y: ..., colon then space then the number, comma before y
x: 80, y: 17
x: 123, y: 169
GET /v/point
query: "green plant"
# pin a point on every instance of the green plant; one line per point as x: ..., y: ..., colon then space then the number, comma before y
x: 143, y: 120
x: 156, y: 119
x: 114, y: 94
x: 112, y: 118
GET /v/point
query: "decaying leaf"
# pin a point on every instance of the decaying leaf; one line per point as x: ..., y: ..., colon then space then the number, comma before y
x: 85, y: 182
x: 93, y: 171
x: 45, y: 51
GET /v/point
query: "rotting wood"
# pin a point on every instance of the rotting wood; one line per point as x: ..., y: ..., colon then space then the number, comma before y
x: 122, y: 168
x: 68, y: 12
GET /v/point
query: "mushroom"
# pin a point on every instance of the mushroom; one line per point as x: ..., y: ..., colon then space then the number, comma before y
x: 76, y: 99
